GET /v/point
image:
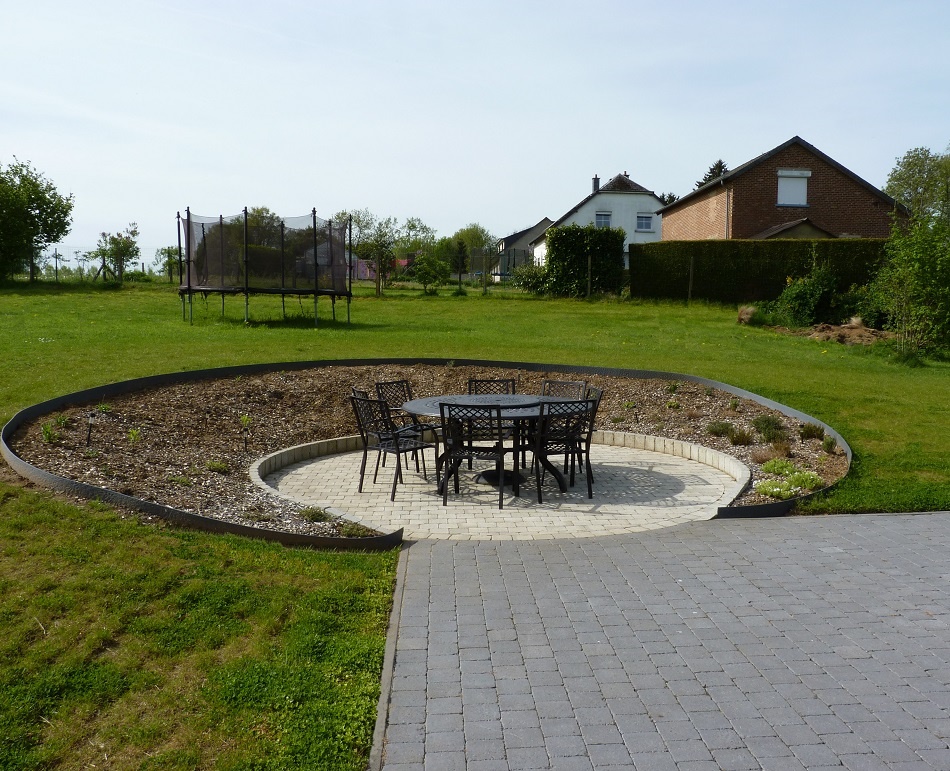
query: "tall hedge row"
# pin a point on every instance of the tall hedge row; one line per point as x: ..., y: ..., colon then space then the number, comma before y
x: 572, y: 248
x: 738, y: 271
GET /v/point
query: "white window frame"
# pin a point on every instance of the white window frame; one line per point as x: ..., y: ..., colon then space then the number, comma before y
x: 648, y: 217
x: 602, y: 219
x: 793, y: 187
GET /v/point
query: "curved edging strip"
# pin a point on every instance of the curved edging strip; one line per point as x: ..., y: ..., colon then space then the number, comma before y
x: 101, y: 393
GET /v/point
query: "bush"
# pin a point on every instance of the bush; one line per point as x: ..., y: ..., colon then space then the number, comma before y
x: 720, y: 428
x: 572, y: 248
x: 769, y: 427
x: 530, y: 278
x: 806, y: 300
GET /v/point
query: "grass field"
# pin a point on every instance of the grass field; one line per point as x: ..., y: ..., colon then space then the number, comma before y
x: 132, y: 646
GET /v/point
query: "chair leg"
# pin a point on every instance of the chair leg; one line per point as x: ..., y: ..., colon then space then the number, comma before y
x: 379, y: 454
x: 397, y: 476
x: 500, y: 470
x: 362, y: 469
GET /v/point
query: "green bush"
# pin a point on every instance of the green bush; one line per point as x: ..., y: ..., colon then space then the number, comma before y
x: 531, y: 278
x: 769, y: 427
x: 720, y: 428
x: 584, y: 258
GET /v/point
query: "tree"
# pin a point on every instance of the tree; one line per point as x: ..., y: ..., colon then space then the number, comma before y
x: 480, y: 246
x: 33, y: 215
x: 913, y: 286
x: 115, y: 250
x: 668, y: 198
x: 431, y: 271
x: 714, y: 172
x: 460, y: 261
x: 921, y: 181
x: 378, y: 248
x: 166, y: 261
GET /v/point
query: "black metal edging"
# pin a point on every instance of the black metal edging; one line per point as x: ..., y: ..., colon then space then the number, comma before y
x: 187, y: 519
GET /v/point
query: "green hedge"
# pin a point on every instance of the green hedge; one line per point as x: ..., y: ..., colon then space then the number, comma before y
x: 737, y: 271
x: 571, y: 248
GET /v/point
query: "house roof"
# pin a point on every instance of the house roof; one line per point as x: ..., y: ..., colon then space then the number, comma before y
x: 619, y: 184
x: 785, y: 226
x: 796, y: 140
x: 543, y: 224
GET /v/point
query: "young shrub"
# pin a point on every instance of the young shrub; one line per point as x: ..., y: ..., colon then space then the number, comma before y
x: 50, y: 434
x: 741, y: 437
x: 782, y: 448
x: 720, y: 428
x: 779, y: 467
x: 217, y: 466
x: 316, y: 514
x: 770, y: 427
x: 829, y: 445
x: 811, y: 431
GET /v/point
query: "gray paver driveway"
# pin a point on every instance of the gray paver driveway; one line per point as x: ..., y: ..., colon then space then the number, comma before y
x: 727, y: 644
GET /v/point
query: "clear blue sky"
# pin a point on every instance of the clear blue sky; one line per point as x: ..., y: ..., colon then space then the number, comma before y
x: 455, y: 112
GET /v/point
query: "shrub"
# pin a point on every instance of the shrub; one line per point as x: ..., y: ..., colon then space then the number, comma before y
x: 829, y: 445
x: 770, y: 427
x: 811, y: 431
x: 316, y: 514
x: 741, y: 437
x: 530, y: 278
x: 720, y: 428
x: 217, y: 466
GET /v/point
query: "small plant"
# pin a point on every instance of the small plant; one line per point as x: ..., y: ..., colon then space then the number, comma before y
x: 829, y: 445
x: 217, y: 466
x: 356, y: 530
x: 62, y: 421
x: 316, y: 514
x: 734, y: 404
x: 50, y: 434
x: 259, y: 516
x: 89, y: 453
x: 104, y: 408
x: 811, y: 431
x: 135, y: 435
x: 782, y: 448
x: 672, y: 386
x: 692, y: 413
x: 629, y: 405
x: 720, y: 428
x: 672, y: 404
x: 779, y: 467
x: 770, y: 427
x: 741, y: 437
x: 616, y: 419
x: 762, y: 455
x: 246, y: 421
x: 709, y: 390
x: 181, y: 480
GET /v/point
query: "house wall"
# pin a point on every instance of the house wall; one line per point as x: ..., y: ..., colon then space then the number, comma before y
x: 706, y: 217
x: 835, y: 201
x: 748, y: 204
x: 623, y: 208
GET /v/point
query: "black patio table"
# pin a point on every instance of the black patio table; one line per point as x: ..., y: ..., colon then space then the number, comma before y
x: 518, y: 408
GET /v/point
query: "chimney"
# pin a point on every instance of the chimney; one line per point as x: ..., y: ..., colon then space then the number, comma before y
x: 595, y: 186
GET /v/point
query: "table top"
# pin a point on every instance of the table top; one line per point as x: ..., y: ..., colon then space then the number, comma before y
x: 512, y: 405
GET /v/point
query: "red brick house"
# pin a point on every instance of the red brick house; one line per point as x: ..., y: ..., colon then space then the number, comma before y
x: 792, y: 191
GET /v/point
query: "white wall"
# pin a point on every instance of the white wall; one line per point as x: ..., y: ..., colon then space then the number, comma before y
x: 623, y: 208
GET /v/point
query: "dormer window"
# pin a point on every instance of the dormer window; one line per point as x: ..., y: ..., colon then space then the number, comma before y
x: 793, y: 187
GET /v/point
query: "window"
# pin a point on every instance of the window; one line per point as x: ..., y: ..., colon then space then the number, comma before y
x: 602, y: 219
x: 644, y: 221
x: 793, y: 187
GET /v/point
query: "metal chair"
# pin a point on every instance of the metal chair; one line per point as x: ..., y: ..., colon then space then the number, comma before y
x: 491, y: 385
x: 396, y: 393
x: 477, y: 432
x: 569, y: 389
x: 380, y: 433
x: 565, y: 429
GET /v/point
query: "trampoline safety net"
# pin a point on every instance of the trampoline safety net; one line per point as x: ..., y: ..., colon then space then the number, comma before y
x: 260, y: 252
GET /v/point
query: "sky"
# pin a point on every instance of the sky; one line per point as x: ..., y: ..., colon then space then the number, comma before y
x: 453, y: 112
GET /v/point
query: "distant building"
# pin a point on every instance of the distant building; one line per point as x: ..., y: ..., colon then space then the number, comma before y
x: 792, y: 191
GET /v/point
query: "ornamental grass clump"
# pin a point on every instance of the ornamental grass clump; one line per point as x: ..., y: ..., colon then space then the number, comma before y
x: 770, y: 427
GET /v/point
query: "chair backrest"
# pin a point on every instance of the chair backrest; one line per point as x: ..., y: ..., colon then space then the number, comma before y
x: 594, y: 393
x: 491, y: 385
x: 372, y: 418
x: 566, y: 422
x: 569, y: 389
x: 394, y: 392
x: 354, y: 391
x: 464, y: 424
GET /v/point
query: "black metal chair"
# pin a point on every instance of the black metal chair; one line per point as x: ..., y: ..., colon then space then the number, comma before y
x: 568, y: 389
x: 396, y: 393
x: 565, y: 429
x: 380, y: 433
x: 354, y: 391
x: 477, y: 432
x: 491, y: 385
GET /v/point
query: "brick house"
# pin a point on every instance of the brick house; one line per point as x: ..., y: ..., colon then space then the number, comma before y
x: 792, y: 191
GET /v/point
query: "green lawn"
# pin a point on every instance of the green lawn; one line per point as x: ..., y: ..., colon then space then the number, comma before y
x: 133, y: 646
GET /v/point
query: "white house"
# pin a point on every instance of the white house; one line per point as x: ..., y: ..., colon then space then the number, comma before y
x: 620, y: 203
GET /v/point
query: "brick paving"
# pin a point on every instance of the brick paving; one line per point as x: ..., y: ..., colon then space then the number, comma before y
x: 635, y: 490
x: 807, y: 642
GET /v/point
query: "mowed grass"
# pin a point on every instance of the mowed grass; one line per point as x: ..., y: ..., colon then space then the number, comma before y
x: 136, y: 646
